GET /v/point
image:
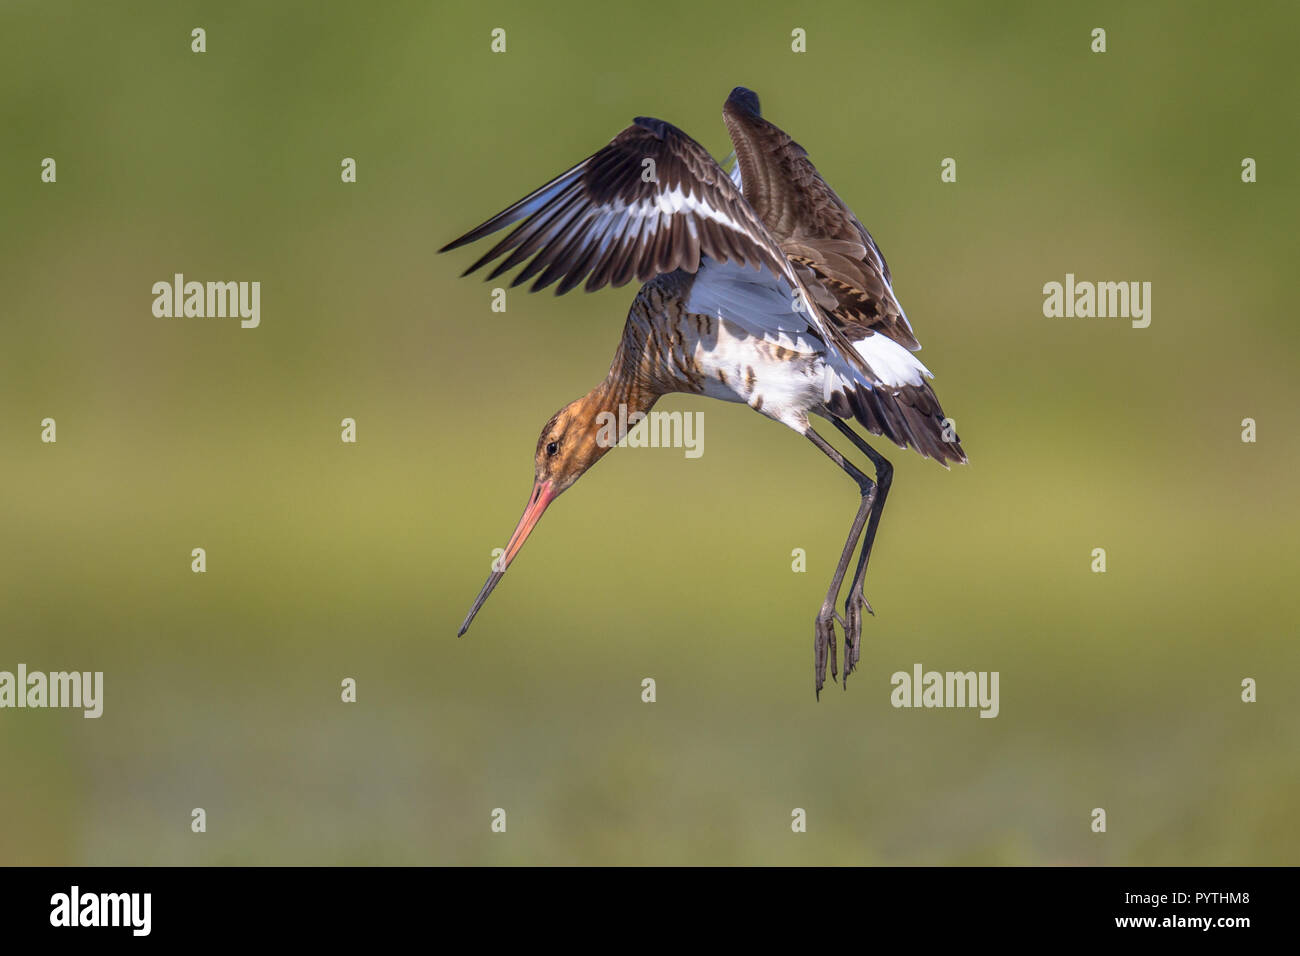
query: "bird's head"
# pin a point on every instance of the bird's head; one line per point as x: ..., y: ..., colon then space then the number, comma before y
x: 575, y: 438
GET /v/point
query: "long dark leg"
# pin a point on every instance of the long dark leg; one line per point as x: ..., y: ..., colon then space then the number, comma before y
x: 854, y: 603
x: 824, y: 628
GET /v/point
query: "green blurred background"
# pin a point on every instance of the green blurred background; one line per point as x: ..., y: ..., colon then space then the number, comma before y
x: 1118, y: 690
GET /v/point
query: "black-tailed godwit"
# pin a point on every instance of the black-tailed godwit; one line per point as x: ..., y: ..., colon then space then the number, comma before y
x: 760, y: 287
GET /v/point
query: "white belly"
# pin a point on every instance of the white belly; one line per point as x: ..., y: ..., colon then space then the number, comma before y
x: 735, y: 366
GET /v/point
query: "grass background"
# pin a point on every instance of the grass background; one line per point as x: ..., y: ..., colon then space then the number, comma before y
x: 328, y: 561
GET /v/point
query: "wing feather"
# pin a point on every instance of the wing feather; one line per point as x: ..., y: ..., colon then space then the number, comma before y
x: 606, y: 222
x: 813, y: 226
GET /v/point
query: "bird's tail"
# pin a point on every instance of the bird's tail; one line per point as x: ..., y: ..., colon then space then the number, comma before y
x: 908, y: 415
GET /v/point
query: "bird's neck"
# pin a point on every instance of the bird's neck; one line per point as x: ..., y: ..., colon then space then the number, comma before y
x: 625, y: 395
x: 621, y: 400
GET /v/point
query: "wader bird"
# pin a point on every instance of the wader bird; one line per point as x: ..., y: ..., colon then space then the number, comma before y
x: 759, y: 287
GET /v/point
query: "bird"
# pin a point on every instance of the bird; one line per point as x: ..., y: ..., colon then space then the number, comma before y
x: 758, y: 286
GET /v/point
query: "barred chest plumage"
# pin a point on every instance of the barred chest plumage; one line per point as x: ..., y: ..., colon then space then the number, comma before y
x: 677, y: 350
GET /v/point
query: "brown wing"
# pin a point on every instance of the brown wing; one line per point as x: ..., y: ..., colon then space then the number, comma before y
x: 833, y: 253
x: 650, y: 202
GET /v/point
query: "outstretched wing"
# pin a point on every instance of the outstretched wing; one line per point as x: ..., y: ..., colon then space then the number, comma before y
x: 651, y: 202
x: 833, y: 253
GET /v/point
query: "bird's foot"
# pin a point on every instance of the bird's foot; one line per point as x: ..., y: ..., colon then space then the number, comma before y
x: 824, y: 647
x: 852, y: 638
x: 852, y: 622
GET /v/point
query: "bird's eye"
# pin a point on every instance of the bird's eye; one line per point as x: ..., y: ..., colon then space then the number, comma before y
x: 551, y: 449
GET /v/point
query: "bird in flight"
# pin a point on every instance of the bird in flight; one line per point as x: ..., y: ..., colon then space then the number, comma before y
x: 759, y: 287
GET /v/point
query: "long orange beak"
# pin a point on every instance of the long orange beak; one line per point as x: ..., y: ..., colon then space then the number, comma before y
x: 543, y: 494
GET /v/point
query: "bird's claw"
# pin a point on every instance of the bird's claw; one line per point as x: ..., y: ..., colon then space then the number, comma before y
x: 824, y: 649
x: 852, y: 638
x: 865, y: 603
x: 824, y: 643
